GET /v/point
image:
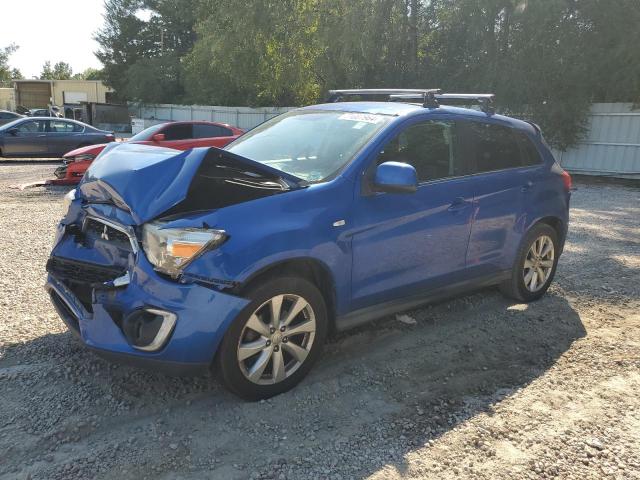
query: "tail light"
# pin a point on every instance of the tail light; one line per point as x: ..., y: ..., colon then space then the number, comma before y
x: 566, y: 179
x: 111, y: 137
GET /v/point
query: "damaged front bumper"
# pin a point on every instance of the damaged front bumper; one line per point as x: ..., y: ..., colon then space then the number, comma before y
x: 132, y: 314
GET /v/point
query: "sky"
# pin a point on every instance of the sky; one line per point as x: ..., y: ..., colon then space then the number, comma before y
x: 54, y: 30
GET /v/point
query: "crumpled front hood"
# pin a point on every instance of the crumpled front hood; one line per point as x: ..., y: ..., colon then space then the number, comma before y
x: 147, y: 181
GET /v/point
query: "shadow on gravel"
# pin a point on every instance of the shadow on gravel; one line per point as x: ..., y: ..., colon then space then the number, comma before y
x: 378, y: 394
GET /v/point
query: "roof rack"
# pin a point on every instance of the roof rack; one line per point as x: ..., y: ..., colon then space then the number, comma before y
x: 430, y: 98
x: 427, y: 95
x: 485, y: 100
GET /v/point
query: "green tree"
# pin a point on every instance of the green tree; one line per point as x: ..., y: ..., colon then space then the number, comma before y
x: 270, y: 66
x: 89, y: 74
x: 60, y: 71
x: 6, y: 72
x: 133, y: 51
x: 154, y: 80
x: 546, y: 60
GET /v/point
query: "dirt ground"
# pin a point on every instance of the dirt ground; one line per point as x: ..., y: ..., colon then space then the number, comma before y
x: 478, y: 388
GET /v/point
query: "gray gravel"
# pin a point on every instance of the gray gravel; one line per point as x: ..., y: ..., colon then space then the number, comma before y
x: 478, y: 387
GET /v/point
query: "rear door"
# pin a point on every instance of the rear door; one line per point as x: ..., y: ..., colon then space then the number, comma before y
x: 64, y: 136
x: 30, y: 139
x: 502, y: 182
x: 404, y: 244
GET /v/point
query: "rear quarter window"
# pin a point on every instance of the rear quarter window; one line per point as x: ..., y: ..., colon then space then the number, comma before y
x: 530, y: 154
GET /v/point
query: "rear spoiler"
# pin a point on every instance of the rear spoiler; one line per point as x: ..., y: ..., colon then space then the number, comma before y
x: 536, y: 127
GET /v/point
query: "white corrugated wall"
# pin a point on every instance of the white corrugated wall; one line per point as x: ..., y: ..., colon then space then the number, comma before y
x: 242, y: 117
x: 611, y: 146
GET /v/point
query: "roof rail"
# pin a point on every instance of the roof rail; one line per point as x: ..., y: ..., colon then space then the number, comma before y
x: 427, y: 95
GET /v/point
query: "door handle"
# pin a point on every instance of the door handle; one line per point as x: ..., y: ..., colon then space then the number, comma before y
x: 458, y: 204
x: 527, y: 186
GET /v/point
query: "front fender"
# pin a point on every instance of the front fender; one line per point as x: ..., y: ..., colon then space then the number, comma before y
x: 267, y: 231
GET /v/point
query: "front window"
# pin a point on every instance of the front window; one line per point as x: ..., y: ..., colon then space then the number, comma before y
x: 430, y: 147
x: 32, y: 126
x: 309, y: 144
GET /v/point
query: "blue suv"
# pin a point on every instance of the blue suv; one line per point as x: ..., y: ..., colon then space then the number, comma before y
x: 245, y: 258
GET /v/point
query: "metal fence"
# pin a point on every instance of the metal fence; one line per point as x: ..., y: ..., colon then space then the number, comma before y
x: 243, y: 117
x: 612, y: 145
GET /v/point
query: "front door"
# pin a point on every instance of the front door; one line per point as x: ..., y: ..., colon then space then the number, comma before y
x: 406, y: 244
x: 30, y: 139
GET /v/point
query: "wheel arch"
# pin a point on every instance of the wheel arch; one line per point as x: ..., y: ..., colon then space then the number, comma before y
x: 308, y: 268
x: 556, y: 223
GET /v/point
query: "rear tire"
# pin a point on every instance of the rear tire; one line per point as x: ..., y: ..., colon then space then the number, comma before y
x: 535, y: 265
x: 263, y: 354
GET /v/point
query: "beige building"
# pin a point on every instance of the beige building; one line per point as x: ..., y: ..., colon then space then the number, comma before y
x: 7, y: 99
x: 43, y: 93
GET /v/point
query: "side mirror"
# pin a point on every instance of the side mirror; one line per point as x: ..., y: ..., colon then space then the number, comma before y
x: 158, y: 137
x: 396, y: 177
x: 13, y: 131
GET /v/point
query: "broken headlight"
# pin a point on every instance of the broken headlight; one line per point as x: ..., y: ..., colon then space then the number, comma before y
x: 172, y: 249
x: 66, y: 201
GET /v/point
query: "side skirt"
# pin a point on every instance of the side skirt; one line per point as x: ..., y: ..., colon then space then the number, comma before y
x: 374, y: 312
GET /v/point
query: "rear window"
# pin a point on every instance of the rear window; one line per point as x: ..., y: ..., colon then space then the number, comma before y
x: 202, y: 130
x: 495, y: 147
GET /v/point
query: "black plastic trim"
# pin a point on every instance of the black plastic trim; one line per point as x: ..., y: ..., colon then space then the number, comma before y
x: 374, y: 312
x: 162, y: 366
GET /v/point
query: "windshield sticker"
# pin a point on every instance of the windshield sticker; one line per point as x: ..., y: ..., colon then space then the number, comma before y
x: 361, y: 117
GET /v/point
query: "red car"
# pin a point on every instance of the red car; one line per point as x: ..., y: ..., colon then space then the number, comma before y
x: 178, y: 135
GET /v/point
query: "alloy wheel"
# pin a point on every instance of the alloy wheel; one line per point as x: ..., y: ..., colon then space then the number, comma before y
x: 539, y: 263
x: 276, y: 339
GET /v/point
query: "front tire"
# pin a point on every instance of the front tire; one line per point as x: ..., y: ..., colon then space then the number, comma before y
x: 535, y: 265
x: 273, y: 343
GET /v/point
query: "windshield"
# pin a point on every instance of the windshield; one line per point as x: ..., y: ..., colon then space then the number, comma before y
x: 147, y: 133
x: 310, y: 144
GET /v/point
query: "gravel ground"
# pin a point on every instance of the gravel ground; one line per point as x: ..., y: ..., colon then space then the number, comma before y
x: 478, y: 387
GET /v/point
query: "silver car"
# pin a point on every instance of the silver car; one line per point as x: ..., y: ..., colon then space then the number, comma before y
x: 6, y: 116
x: 48, y: 137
